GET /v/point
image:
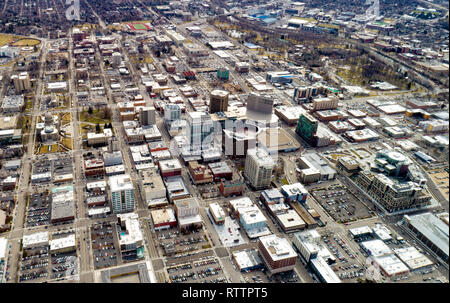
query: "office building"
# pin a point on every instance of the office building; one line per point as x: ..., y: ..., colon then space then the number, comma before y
x: 131, y: 239
x: 233, y: 187
x: 307, y: 127
x: 176, y: 188
x: 294, y: 192
x: 259, y: 107
x: 218, y: 101
x: 172, y: 112
x: 147, y: 115
x: 314, y: 168
x: 152, y: 188
x: 169, y: 168
x: 277, y: 254
x: 21, y: 82
x: 188, y: 214
x: 392, y: 194
x: 258, y: 168
x: 316, y: 254
x: 122, y: 193
x: 63, y: 245
x: 199, y: 128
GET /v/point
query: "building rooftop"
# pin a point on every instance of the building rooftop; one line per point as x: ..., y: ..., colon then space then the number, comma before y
x: 434, y: 229
x: 376, y: 248
x: 120, y: 183
x: 161, y: 216
x: 325, y: 270
x: 412, y: 257
x: 61, y: 243
x: 133, y: 232
x: 363, y: 230
x: 251, y: 215
x: 34, y: 239
x: 169, y: 165
x: 291, y: 220
x: 294, y: 189
x: 278, y: 248
x: 247, y: 258
x: 391, y: 264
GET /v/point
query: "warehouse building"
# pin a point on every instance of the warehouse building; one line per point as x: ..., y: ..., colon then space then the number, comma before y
x: 431, y: 231
x: 413, y: 258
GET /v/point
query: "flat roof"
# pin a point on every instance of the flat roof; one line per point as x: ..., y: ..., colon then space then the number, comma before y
x: 278, y: 248
x: 34, y: 239
x: 120, y: 182
x: 161, y: 216
x: 376, y: 248
x: 391, y: 264
x: 241, y: 203
x: 363, y: 230
x: 291, y: 219
x: 62, y: 243
x: 325, y: 270
x: 133, y: 232
x: 294, y: 189
x: 217, y: 211
x: 251, y: 215
x: 247, y: 259
x: 412, y: 257
x: 434, y: 229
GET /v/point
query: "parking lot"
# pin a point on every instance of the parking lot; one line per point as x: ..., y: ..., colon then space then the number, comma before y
x: 175, y: 243
x: 104, y: 245
x: 64, y: 265
x: 347, y: 267
x: 229, y: 232
x: 38, y: 212
x: 203, y: 270
x: 34, y: 264
x: 340, y: 204
x: 188, y: 257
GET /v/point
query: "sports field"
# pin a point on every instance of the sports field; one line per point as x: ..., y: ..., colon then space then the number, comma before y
x: 138, y: 26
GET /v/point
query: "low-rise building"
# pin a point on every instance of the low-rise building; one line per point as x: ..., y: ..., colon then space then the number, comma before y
x: 217, y: 213
x: 163, y: 218
x: 63, y: 245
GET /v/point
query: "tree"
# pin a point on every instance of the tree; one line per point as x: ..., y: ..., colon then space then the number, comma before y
x: 90, y: 110
x: 97, y: 128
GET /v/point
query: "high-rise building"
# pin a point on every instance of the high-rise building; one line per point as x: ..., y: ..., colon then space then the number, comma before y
x: 258, y: 168
x: 218, y: 101
x: 172, y: 112
x: 122, y: 193
x: 307, y: 127
x: 223, y: 74
x: 147, y: 115
x: 259, y: 107
x: 21, y: 82
x: 200, y: 126
x: 116, y: 59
